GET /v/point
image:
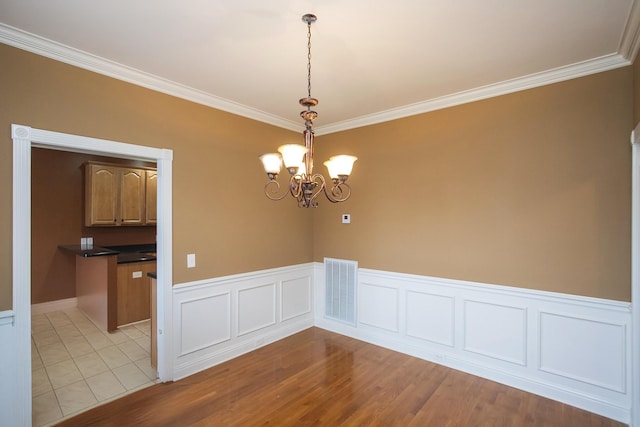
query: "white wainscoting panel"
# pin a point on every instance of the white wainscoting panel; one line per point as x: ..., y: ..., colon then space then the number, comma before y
x: 495, y: 330
x: 378, y: 306
x: 256, y: 308
x: 568, y: 348
x: 296, y: 297
x: 205, y: 321
x: 601, y: 345
x: 9, y: 399
x: 221, y: 318
x: 431, y: 317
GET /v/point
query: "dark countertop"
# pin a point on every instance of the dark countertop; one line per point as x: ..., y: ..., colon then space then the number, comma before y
x: 125, y: 253
x: 95, y: 251
x: 153, y: 275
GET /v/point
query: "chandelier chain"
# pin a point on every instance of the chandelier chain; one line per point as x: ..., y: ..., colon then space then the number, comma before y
x: 309, y: 59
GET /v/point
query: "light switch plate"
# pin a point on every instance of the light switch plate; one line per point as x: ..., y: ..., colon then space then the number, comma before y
x: 346, y: 218
x: 191, y: 260
x: 136, y: 274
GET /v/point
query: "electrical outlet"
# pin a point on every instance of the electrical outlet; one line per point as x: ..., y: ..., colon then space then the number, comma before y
x: 136, y: 274
x: 89, y: 242
x: 191, y: 260
x: 83, y: 243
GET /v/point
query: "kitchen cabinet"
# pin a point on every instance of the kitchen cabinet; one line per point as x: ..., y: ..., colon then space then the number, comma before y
x: 117, y: 195
x: 151, y: 196
x: 133, y: 293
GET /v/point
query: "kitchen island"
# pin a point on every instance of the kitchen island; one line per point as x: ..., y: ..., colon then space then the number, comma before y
x: 112, y: 286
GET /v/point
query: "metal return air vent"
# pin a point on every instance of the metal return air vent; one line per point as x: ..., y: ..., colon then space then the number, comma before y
x: 340, y: 290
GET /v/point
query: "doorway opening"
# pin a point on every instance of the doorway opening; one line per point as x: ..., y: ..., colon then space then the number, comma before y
x: 24, y: 139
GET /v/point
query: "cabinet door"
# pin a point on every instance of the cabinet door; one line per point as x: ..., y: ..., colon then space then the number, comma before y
x: 134, y: 292
x: 151, y: 202
x: 132, y: 185
x: 101, y: 195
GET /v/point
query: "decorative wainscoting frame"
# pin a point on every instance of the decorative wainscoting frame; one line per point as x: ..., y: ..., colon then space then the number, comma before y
x: 9, y: 372
x: 218, y: 319
x: 572, y: 349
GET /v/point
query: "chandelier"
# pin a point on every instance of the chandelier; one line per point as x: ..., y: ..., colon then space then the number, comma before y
x: 304, y: 185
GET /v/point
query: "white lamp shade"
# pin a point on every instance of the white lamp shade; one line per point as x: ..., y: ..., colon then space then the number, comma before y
x: 292, y: 154
x: 340, y: 165
x: 272, y: 162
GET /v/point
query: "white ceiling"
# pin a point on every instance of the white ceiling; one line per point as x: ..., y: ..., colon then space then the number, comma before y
x: 371, y: 60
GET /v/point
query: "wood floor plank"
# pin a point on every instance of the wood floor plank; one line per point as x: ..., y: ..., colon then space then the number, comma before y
x: 318, y: 378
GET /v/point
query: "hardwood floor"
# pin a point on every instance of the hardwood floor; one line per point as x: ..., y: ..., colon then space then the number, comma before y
x: 318, y: 378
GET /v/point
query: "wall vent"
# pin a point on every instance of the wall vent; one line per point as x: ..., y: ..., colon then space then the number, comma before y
x: 340, y: 290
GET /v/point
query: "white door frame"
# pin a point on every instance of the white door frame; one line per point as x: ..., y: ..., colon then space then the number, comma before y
x: 24, y: 138
x: 635, y: 277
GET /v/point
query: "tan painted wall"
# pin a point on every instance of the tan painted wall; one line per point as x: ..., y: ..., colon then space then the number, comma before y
x: 219, y: 210
x: 529, y: 190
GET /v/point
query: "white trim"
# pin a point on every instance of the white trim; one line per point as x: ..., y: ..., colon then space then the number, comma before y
x: 22, y: 271
x: 635, y: 276
x: 6, y: 316
x: 33, y: 43
x: 47, y: 307
x: 630, y: 43
x: 25, y: 137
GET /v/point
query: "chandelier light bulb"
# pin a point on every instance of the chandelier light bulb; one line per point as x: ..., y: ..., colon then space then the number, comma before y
x: 292, y: 155
x: 341, y: 165
x: 272, y: 163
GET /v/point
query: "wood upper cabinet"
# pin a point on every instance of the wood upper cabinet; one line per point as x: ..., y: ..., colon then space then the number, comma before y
x: 116, y: 195
x: 132, y: 196
x: 151, y: 196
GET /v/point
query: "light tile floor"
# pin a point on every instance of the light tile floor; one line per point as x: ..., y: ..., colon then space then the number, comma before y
x: 76, y: 366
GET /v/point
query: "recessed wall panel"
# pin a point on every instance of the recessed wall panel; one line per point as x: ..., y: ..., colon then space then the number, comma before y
x: 497, y: 331
x: 296, y: 297
x: 430, y: 317
x: 256, y: 308
x: 583, y: 349
x: 378, y: 306
x: 204, y: 322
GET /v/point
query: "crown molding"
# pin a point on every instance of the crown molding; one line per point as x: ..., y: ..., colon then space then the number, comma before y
x: 47, y: 48
x: 59, y: 52
x: 573, y: 71
x: 630, y: 43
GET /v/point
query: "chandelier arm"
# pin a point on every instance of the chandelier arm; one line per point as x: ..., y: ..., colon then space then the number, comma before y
x: 321, y: 186
x: 337, y: 193
x: 273, y: 194
x: 295, y: 186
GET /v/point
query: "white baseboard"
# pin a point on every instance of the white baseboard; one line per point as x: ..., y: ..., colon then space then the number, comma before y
x: 50, y: 306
